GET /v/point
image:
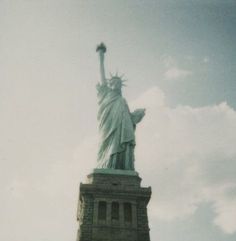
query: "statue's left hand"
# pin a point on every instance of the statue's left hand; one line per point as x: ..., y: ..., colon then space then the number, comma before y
x: 137, y: 115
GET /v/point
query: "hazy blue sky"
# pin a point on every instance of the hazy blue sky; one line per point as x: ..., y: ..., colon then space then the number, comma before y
x: 179, y: 58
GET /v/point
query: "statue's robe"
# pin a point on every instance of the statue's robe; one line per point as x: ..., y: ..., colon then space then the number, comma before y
x: 116, y: 129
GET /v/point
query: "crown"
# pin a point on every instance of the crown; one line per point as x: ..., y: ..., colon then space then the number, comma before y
x: 116, y: 76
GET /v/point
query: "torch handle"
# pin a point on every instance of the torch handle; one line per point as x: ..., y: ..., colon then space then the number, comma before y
x: 101, y: 49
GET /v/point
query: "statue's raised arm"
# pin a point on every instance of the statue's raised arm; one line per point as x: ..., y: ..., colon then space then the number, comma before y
x: 101, y: 49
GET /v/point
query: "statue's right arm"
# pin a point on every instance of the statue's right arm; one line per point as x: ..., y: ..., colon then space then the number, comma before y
x: 102, y: 69
x: 101, y: 49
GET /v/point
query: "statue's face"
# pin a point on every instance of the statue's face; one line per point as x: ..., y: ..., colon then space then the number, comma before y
x: 115, y: 83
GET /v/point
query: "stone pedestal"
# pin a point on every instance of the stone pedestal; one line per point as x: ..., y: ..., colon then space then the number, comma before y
x: 113, y: 207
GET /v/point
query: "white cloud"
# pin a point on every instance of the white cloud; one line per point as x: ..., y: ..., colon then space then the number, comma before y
x: 176, y: 73
x: 172, y: 71
x: 191, y: 156
x: 225, y: 206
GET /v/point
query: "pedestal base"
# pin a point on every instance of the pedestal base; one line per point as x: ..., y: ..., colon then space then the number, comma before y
x: 113, y: 207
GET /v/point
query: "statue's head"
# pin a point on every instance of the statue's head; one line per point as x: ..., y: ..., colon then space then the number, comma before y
x: 116, y: 82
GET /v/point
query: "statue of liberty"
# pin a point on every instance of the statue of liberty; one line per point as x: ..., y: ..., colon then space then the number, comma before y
x: 116, y: 123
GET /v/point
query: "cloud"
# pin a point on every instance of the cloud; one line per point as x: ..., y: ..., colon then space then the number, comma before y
x: 176, y: 73
x: 172, y: 71
x: 191, y: 156
x: 225, y: 207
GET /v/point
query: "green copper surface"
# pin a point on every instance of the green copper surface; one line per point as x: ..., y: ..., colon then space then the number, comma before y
x: 116, y: 123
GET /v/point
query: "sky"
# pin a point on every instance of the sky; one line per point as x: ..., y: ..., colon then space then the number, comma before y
x: 179, y: 59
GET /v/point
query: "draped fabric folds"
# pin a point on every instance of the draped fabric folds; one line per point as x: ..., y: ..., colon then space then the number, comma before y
x: 117, y: 130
